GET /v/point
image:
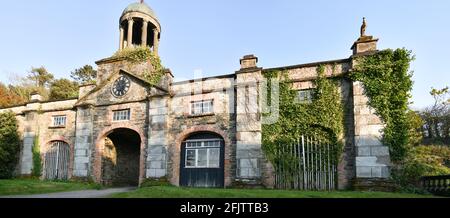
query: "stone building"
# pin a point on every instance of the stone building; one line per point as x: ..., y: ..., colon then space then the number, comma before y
x: 206, y: 132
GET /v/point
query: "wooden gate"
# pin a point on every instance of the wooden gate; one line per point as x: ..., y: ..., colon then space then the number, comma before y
x: 56, y: 165
x: 309, y: 164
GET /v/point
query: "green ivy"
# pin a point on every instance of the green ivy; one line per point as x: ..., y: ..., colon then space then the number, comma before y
x: 387, y: 82
x: 37, y: 162
x: 323, y: 117
x: 141, y: 54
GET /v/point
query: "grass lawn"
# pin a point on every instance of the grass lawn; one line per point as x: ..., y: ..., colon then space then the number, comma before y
x: 176, y: 192
x: 35, y: 186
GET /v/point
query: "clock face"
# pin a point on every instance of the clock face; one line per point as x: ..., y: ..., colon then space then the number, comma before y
x: 121, y: 86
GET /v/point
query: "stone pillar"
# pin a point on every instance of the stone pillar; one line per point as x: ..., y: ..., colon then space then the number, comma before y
x: 31, y: 131
x: 130, y: 32
x: 84, y: 141
x: 364, y: 44
x: 121, y: 38
x: 157, y: 143
x: 249, y: 155
x: 155, y: 41
x: 372, y: 157
x: 144, y: 33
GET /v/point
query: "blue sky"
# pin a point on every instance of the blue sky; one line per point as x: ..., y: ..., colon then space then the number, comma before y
x: 211, y: 35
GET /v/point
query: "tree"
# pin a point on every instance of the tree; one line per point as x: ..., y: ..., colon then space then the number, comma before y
x: 9, y: 144
x: 84, y: 75
x: 437, y: 117
x: 41, y: 77
x: 415, y: 124
x: 63, y: 89
x: 8, y: 97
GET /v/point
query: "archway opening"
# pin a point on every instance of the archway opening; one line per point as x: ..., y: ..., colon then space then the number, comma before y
x: 121, y: 155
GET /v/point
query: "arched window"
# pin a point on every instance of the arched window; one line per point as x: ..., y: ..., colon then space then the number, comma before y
x: 56, y: 165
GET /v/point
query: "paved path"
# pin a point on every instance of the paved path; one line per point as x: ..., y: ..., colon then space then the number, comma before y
x: 77, y: 194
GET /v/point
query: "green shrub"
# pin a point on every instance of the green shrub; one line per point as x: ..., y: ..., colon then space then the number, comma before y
x: 423, y: 161
x: 9, y: 144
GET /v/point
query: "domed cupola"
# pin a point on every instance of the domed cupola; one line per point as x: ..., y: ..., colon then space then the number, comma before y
x: 139, y: 26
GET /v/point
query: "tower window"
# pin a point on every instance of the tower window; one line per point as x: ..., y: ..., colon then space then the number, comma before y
x: 121, y: 115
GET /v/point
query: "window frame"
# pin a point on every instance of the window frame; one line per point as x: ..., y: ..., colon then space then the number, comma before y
x: 193, y: 111
x: 120, y: 116
x: 208, y: 148
x: 57, y: 119
x: 309, y: 100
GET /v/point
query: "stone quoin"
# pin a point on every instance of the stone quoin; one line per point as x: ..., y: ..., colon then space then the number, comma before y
x: 203, y: 133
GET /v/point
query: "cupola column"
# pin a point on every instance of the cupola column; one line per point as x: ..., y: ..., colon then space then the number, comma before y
x: 144, y: 32
x: 121, y: 38
x: 130, y: 32
x: 155, y: 41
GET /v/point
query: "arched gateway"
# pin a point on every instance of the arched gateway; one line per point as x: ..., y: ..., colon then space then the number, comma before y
x: 120, y: 157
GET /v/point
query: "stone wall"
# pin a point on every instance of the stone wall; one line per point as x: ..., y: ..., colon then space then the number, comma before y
x: 36, y: 125
x: 182, y: 123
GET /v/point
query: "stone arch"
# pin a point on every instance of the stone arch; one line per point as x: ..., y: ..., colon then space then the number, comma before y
x: 195, y: 129
x: 99, y: 148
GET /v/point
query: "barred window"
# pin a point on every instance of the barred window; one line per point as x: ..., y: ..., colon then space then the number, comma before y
x: 305, y: 96
x: 59, y: 121
x: 202, y: 107
x: 121, y: 115
x: 203, y: 154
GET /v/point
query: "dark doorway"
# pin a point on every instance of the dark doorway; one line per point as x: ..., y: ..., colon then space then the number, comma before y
x: 121, y: 155
x: 202, y: 161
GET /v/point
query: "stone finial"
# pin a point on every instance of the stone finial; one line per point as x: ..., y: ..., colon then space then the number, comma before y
x: 249, y: 61
x: 35, y: 97
x: 364, y: 43
x: 363, y: 27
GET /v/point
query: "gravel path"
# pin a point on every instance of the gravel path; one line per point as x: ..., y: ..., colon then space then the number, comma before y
x: 77, y: 194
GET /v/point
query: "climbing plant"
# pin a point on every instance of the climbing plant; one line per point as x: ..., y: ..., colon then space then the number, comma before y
x: 387, y: 81
x: 141, y: 54
x: 37, y: 161
x: 323, y: 117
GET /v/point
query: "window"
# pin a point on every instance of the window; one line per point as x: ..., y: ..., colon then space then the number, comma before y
x: 203, y: 154
x: 305, y: 96
x: 59, y: 121
x: 202, y: 107
x: 121, y: 115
